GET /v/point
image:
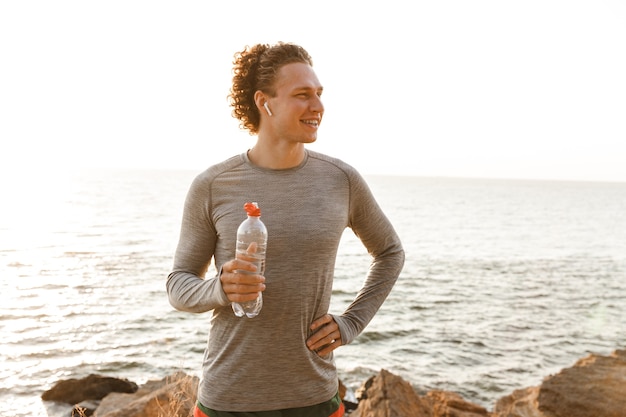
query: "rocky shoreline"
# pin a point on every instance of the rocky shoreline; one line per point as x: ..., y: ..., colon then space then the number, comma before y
x: 595, y: 386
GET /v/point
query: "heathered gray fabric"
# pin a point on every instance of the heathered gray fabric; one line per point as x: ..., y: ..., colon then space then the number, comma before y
x: 263, y: 363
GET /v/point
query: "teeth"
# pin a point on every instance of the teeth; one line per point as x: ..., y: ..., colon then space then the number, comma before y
x: 312, y: 122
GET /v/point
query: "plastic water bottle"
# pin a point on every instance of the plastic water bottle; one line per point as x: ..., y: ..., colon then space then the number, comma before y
x: 251, y: 247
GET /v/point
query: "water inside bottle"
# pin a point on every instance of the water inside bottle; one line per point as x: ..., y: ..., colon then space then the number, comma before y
x: 249, y: 308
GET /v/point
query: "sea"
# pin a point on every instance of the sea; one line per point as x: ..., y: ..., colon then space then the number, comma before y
x: 505, y: 283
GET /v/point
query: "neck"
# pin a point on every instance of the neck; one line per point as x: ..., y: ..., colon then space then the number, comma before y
x: 277, y: 155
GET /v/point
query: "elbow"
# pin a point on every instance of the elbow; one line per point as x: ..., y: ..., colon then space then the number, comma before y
x: 176, y: 294
x: 172, y: 294
x: 396, y: 257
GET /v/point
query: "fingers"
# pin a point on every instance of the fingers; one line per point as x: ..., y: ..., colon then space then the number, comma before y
x: 252, y: 248
x: 239, y: 265
x: 327, y: 349
x: 238, y: 285
x: 326, y: 336
x: 322, y: 321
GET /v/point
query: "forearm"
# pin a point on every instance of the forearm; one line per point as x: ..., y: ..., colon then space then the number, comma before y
x: 187, y: 292
x: 381, y: 278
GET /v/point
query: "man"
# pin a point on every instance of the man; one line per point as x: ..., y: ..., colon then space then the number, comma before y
x: 280, y: 362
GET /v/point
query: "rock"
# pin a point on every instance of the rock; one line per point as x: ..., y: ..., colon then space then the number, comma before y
x: 594, y: 386
x: 93, y: 387
x: 450, y: 404
x: 115, y: 401
x: 521, y: 403
x: 172, y: 396
x: 388, y: 395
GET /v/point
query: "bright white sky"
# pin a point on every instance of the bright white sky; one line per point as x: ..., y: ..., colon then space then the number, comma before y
x: 509, y: 89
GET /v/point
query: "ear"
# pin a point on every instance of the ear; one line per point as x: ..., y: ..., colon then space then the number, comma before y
x: 260, y: 99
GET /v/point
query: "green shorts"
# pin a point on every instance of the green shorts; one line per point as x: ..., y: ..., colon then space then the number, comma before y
x: 331, y: 408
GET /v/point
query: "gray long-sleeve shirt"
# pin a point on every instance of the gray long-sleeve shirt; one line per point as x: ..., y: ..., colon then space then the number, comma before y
x: 263, y: 363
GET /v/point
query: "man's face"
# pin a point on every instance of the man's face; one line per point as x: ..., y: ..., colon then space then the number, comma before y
x: 297, y: 108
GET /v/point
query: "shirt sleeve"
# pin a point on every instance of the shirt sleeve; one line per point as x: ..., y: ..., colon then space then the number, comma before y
x: 187, y: 288
x: 372, y: 227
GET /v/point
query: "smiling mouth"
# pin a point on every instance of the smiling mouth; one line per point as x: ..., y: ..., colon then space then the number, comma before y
x: 314, y: 123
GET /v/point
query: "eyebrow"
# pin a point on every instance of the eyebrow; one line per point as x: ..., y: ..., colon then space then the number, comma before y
x: 308, y: 88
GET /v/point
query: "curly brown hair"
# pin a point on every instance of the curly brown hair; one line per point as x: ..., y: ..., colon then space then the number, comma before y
x: 254, y: 69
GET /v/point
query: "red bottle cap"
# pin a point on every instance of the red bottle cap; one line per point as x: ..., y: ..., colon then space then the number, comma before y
x: 252, y: 209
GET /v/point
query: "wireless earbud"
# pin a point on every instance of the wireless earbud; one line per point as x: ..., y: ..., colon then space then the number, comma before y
x: 267, y: 108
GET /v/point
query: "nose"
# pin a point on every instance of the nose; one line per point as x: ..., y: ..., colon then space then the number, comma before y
x: 316, y: 105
